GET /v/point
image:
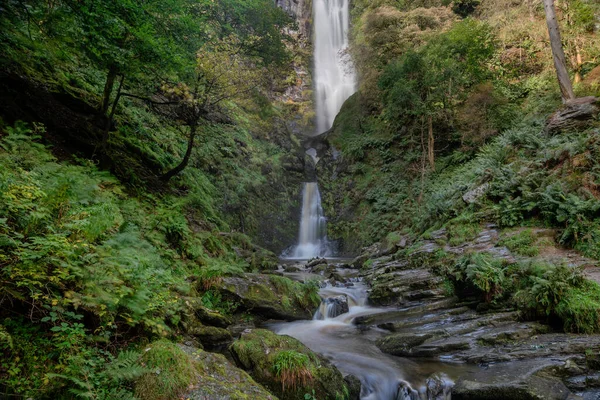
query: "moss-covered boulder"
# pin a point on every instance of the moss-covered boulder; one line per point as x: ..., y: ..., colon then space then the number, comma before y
x: 211, y: 336
x: 272, y: 296
x: 218, y: 379
x: 170, y: 372
x: 286, y: 367
x: 179, y: 371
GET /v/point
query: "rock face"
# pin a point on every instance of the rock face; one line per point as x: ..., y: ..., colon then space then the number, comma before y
x: 259, y: 352
x: 271, y: 296
x: 218, y: 379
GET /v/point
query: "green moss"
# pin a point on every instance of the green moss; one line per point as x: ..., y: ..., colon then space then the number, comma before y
x: 172, y: 372
x: 287, y: 367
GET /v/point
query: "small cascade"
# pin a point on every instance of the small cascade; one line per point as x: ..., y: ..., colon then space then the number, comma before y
x: 312, y: 240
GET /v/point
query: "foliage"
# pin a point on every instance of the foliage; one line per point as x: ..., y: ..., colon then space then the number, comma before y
x: 521, y: 243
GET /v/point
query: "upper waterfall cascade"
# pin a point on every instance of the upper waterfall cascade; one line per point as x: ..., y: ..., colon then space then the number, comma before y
x: 334, y: 77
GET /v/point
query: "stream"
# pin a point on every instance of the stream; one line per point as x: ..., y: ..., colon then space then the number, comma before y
x: 353, y: 351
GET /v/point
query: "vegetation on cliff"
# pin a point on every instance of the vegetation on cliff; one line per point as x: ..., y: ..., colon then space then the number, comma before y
x: 153, y: 130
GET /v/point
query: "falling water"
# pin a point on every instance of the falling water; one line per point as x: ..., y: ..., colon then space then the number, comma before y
x: 334, y: 78
x: 312, y: 240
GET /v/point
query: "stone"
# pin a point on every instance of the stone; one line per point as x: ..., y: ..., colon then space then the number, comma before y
x: 530, y: 388
x: 316, y: 261
x: 472, y: 196
x: 402, y: 344
x: 270, y: 296
x: 218, y: 379
x: 331, y: 307
x: 354, y: 386
x: 211, y: 336
x: 291, y: 268
x: 257, y: 352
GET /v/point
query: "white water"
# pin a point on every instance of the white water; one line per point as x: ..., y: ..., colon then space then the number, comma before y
x: 353, y: 351
x: 312, y: 239
x: 334, y: 77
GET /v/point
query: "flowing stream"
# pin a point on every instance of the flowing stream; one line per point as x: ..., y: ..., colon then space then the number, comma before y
x: 332, y: 334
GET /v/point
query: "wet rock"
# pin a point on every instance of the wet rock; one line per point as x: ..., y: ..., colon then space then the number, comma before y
x: 319, y: 269
x: 259, y: 350
x: 354, y: 386
x: 335, y: 277
x: 291, y: 268
x: 331, y: 307
x: 530, y: 388
x: 402, y: 344
x: 218, y: 379
x: 270, y: 296
x: 316, y: 261
x: 405, y: 392
x: 438, y: 387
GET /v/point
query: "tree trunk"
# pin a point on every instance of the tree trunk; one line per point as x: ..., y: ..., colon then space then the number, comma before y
x: 108, y: 87
x: 186, y: 158
x: 431, y: 144
x: 112, y: 113
x: 558, y: 54
x: 423, y: 163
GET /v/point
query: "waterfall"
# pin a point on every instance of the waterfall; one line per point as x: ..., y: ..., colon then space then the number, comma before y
x: 333, y: 77
x: 312, y: 239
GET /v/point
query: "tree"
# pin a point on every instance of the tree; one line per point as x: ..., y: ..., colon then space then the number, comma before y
x: 558, y: 55
x: 222, y: 73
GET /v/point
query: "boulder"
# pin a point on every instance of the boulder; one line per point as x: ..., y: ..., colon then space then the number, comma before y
x: 291, y: 268
x: 402, y: 344
x: 287, y: 367
x: 331, y: 307
x: 271, y: 296
x: 316, y: 261
x: 218, y: 379
x: 211, y: 336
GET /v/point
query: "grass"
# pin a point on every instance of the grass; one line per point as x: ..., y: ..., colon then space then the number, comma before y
x: 521, y: 243
x: 292, y: 369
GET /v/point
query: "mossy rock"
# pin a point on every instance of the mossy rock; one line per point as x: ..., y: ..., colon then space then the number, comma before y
x: 197, y: 311
x: 401, y: 344
x: 171, y: 372
x: 287, y: 367
x: 211, y: 336
x: 272, y: 296
x: 218, y: 379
